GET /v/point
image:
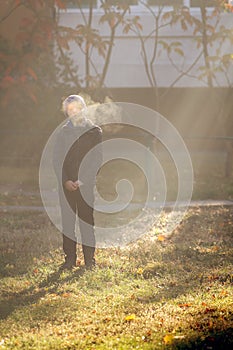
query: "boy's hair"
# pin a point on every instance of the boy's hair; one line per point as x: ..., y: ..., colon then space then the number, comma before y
x: 73, y: 98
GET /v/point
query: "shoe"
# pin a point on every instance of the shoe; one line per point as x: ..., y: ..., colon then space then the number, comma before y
x: 89, y: 259
x: 67, y: 265
x: 90, y: 265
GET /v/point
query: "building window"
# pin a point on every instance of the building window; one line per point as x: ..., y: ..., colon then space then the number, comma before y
x: 165, y: 2
x: 206, y: 3
x: 74, y: 4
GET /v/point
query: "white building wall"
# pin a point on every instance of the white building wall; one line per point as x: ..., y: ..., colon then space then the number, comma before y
x: 126, y: 66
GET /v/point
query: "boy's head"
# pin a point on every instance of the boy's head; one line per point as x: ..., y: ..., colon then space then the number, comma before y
x: 74, y: 106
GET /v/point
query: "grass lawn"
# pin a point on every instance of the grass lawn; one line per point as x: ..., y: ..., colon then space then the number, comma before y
x: 156, y: 293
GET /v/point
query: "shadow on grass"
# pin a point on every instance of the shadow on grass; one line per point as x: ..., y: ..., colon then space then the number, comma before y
x: 198, y: 253
x: 24, y: 237
x: 32, y: 294
x: 186, y: 270
x: 218, y: 340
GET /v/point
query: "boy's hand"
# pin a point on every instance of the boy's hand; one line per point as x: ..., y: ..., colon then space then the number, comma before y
x: 71, y: 185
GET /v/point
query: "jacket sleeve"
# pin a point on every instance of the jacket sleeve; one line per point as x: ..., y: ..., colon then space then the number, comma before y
x: 58, y: 158
x: 97, y: 155
x: 99, y: 151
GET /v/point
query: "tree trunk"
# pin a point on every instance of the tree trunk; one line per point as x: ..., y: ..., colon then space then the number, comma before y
x: 205, y: 42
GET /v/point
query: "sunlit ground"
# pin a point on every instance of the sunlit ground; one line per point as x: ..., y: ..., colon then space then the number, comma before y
x: 155, y: 293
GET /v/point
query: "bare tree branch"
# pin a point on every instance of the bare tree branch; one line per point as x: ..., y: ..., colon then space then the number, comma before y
x: 10, y: 11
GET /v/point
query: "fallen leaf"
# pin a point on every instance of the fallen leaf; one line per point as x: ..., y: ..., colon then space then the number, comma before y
x: 168, y: 338
x: 130, y: 317
x: 215, y: 248
x: 66, y: 295
x: 161, y: 238
x: 184, y: 305
x: 224, y: 292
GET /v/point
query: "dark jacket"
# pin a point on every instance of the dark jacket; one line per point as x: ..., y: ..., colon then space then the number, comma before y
x: 72, y: 144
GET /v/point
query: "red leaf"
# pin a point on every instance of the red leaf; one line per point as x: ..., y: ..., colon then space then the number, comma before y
x: 33, y: 97
x: 32, y: 73
x: 8, y: 79
x: 23, y: 78
x: 184, y: 305
x: 60, y: 4
x: 26, y: 22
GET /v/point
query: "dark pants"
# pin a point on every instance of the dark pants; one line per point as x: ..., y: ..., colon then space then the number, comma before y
x: 73, y: 203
